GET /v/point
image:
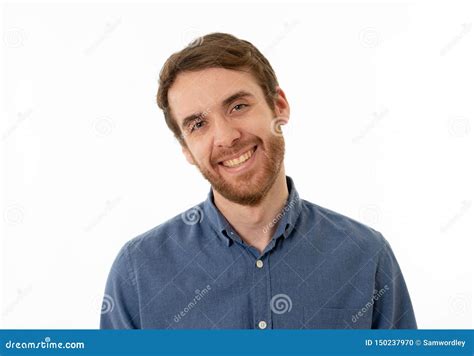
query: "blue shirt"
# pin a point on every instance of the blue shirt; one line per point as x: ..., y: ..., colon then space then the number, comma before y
x: 320, y: 270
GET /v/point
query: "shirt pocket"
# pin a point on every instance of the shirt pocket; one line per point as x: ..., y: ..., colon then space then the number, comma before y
x: 336, y: 318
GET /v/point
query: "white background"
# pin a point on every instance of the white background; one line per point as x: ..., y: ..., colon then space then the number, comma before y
x: 381, y: 130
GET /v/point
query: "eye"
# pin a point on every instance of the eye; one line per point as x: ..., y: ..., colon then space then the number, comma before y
x: 197, y: 125
x: 239, y: 107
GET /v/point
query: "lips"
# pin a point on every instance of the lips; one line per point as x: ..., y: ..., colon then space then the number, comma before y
x: 238, y: 159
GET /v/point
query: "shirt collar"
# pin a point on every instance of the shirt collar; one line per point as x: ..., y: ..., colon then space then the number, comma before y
x: 285, y: 220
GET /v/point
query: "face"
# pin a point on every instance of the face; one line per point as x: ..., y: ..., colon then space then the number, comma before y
x: 230, y: 133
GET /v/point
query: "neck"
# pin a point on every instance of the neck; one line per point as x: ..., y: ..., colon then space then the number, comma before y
x: 250, y: 221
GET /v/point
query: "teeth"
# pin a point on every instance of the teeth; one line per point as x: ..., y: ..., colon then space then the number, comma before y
x: 235, y: 162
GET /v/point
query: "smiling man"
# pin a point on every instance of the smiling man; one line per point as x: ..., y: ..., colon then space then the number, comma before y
x: 253, y: 254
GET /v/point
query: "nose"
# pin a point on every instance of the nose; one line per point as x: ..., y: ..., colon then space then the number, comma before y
x: 225, y: 134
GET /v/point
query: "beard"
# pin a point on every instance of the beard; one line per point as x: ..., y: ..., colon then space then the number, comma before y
x: 251, y: 187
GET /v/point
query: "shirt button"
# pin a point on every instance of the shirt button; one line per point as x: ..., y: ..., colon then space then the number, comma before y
x: 262, y: 324
x: 259, y: 263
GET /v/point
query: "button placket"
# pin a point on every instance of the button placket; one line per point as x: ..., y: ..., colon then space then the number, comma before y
x: 262, y: 276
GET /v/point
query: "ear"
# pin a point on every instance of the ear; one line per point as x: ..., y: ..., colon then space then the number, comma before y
x: 187, y: 154
x: 282, y: 108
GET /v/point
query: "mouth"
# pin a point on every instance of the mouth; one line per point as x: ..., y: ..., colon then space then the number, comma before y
x: 240, y: 161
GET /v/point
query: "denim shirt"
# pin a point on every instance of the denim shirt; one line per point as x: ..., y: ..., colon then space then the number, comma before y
x: 320, y: 270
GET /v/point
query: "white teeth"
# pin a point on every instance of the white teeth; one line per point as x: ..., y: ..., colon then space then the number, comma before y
x: 237, y: 161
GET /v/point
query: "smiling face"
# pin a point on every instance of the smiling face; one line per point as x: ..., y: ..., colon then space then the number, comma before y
x: 229, y: 131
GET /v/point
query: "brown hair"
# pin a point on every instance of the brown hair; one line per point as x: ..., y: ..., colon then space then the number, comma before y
x: 215, y: 50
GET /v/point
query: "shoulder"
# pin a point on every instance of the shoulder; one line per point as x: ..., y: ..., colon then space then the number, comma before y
x: 336, y: 228
x: 167, y: 235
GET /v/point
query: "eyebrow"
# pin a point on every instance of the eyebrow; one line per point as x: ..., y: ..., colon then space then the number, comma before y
x: 240, y: 94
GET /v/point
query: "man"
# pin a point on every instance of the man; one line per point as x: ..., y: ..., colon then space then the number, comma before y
x: 253, y: 255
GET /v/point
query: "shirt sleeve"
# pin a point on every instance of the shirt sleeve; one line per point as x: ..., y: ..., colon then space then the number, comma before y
x: 120, y: 307
x: 392, y: 305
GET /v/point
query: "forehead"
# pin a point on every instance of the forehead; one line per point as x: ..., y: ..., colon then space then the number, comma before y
x: 202, y: 90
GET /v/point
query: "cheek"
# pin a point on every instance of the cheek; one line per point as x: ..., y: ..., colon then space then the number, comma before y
x: 261, y: 128
x: 261, y: 123
x: 203, y: 155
